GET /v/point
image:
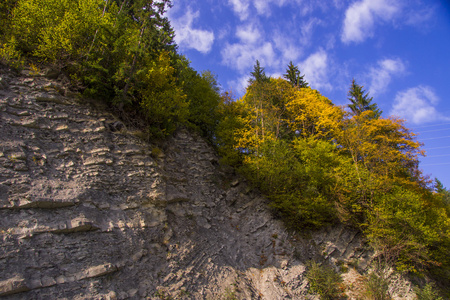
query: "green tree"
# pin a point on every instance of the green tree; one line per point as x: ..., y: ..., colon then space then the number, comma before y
x: 360, y: 101
x: 442, y: 191
x: 258, y: 74
x: 57, y: 31
x: 293, y: 76
x: 8, y: 53
x: 149, y: 20
x: 203, y: 94
x: 231, y: 115
x: 6, y: 9
x: 162, y: 100
x: 407, y: 227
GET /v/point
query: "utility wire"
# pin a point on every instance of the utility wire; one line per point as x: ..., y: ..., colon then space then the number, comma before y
x: 436, y: 130
x: 426, y: 165
x: 438, y: 155
x: 436, y: 138
x: 426, y: 126
x: 434, y: 148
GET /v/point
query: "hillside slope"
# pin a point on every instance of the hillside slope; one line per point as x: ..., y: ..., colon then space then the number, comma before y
x: 89, y: 211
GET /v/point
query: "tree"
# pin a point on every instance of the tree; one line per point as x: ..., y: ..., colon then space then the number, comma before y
x: 360, y: 101
x: 162, y: 100
x: 258, y: 74
x: 149, y: 17
x: 256, y: 98
x: 203, y: 95
x: 384, y: 153
x: 6, y: 8
x: 293, y: 76
x: 312, y: 114
x: 267, y: 112
x: 442, y: 191
x: 231, y: 115
x: 56, y: 31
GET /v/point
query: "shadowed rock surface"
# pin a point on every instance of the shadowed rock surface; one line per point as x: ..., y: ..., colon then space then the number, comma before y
x: 86, y: 212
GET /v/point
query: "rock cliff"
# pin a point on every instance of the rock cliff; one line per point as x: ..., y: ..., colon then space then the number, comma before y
x: 89, y: 211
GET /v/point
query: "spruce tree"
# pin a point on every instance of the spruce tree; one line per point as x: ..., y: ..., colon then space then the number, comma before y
x: 258, y: 74
x: 360, y: 101
x: 293, y: 76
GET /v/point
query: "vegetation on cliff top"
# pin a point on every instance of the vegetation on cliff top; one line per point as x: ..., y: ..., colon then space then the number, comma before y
x: 318, y: 163
x: 119, y: 50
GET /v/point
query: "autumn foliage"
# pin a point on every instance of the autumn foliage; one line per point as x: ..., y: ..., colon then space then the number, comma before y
x: 320, y: 164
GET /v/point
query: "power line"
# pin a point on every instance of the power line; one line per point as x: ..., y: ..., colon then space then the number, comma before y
x: 438, y: 155
x: 434, y: 148
x: 426, y: 165
x: 441, y: 137
x: 433, y: 125
x: 433, y: 130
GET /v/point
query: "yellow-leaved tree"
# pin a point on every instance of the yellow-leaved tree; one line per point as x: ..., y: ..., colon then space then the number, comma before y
x: 162, y: 100
x: 313, y: 115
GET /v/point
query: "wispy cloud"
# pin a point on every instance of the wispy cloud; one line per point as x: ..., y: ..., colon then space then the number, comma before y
x: 240, y: 8
x: 381, y: 75
x: 239, y: 85
x: 315, y: 68
x: 417, y: 105
x: 361, y: 16
x: 307, y: 29
x: 263, y: 6
x: 190, y: 38
x: 253, y: 44
x: 249, y: 34
x: 287, y: 46
x: 274, y: 50
x: 242, y: 56
x: 244, y: 8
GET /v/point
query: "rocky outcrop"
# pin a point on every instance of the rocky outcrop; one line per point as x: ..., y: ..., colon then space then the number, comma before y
x: 89, y: 211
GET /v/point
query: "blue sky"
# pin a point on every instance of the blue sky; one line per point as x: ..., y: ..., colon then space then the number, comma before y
x: 399, y: 50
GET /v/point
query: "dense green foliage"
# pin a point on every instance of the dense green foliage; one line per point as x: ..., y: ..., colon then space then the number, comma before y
x: 318, y: 163
x: 118, y: 50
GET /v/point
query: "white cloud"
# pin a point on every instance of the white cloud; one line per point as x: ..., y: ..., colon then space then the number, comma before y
x: 419, y: 17
x: 189, y: 37
x: 253, y: 45
x: 315, y: 68
x: 381, y: 75
x: 361, y: 16
x: 242, y: 56
x: 417, y: 105
x: 307, y: 29
x: 276, y: 75
x: 240, y: 8
x: 287, y: 46
x: 273, y: 50
x: 263, y: 8
x: 249, y: 34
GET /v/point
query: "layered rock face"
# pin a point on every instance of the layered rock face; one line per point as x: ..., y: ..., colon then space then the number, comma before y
x: 89, y: 211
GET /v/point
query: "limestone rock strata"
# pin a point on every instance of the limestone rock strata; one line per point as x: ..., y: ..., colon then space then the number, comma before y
x: 86, y: 212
